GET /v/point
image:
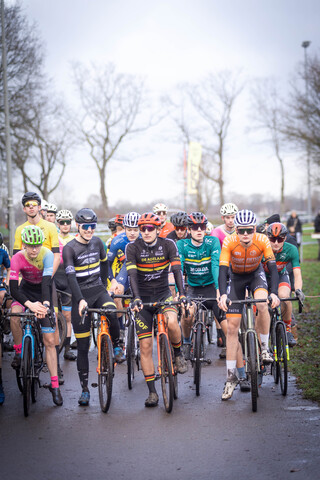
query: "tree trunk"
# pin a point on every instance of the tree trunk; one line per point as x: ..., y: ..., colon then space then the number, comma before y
x: 104, y: 199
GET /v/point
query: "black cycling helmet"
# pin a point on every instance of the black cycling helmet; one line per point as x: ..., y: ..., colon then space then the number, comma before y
x: 179, y: 219
x: 196, y: 218
x: 112, y: 224
x: 30, y: 196
x: 1, y: 238
x: 86, y: 215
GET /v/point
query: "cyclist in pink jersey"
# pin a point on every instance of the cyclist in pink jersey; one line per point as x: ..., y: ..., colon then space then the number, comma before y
x: 228, y: 212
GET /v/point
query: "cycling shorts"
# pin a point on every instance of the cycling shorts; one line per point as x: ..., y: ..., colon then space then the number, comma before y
x: 144, y: 322
x: 237, y: 288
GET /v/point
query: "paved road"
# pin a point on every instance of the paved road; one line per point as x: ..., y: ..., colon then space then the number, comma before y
x: 203, y: 438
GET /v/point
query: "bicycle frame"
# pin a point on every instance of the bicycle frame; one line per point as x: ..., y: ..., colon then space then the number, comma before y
x: 162, y: 326
x: 247, y: 322
x: 104, y: 330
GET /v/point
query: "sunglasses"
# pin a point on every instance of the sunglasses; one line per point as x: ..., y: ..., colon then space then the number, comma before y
x: 64, y: 222
x: 31, y: 204
x: 242, y: 231
x: 147, y: 228
x: 161, y: 213
x: 86, y: 226
x: 198, y: 226
x: 277, y: 239
x: 182, y: 229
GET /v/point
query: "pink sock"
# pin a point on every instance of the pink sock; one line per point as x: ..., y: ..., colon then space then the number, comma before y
x: 17, y: 348
x: 54, y: 382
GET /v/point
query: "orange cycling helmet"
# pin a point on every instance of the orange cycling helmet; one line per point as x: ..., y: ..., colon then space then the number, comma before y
x: 149, y: 219
x: 119, y: 219
x: 276, y: 230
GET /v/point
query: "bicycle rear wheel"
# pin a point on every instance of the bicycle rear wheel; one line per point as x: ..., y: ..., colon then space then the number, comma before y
x: 253, y: 367
x: 273, y: 349
x: 198, y: 356
x: 209, y: 326
x: 62, y: 325
x: 166, y: 376
x: 26, y: 375
x: 282, y: 357
x: 130, y: 354
x: 105, y: 377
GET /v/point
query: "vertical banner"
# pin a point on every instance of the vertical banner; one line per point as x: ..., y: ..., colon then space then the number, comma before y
x: 194, y: 159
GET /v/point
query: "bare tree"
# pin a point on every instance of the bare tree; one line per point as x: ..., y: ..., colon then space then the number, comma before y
x: 212, y: 100
x: 302, y: 126
x: 268, y: 116
x: 111, y: 103
x: 41, y: 152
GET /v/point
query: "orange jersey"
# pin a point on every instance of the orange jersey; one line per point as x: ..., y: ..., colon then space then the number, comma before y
x: 166, y: 229
x: 245, y: 260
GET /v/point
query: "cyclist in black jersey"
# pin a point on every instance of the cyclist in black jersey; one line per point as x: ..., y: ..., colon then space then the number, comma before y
x: 86, y: 266
x: 148, y: 260
x: 180, y: 222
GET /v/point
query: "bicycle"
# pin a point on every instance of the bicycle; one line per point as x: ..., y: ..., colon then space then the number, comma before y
x: 61, y: 320
x: 250, y: 344
x: 279, y: 345
x: 4, y: 319
x: 32, y: 362
x: 166, y: 360
x: 200, y: 333
x: 105, y: 368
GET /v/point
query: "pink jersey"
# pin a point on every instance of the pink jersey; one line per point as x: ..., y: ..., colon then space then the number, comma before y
x: 220, y: 233
x: 32, y: 271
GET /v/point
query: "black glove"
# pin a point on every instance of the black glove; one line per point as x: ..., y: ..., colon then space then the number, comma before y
x: 299, y: 294
x: 136, y: 303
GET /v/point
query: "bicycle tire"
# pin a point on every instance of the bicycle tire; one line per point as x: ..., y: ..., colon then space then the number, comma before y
x: 95, y: 330
x: 26, y: 375
x: 175, y: 376
x: 209, y: 327
x: 105, y: 377
x: 198, y: 355
x: 253, y: 367
x: 130, y: 355
x: 282, y: 357
x: 166, y: 376
x: 37, y: 362
x: 62, y: 325
x: 19, y: 379
x: 273, y: 348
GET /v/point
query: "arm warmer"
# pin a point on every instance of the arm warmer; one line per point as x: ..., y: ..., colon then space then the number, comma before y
x: 274, y: 276
x: 223, y: 276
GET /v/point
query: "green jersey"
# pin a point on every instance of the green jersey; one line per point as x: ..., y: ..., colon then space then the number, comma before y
x: 200, y: 263
x: 289, y: 253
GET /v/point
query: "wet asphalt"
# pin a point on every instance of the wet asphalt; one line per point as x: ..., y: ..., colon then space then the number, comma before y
x: 203, y: 438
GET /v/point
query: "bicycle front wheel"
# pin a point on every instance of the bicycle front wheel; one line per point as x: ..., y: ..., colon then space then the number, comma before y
x: 62, y: 326
x: 26, y: 375
x: 253, y: 367
x: 282, y: 357
x: 105, y: 377
x: 167, y: 384
x: 198, y: 356
x: 130, y: 354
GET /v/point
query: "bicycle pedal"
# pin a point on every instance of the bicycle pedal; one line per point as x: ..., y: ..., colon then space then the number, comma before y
x: 94, y: 385
x: 208, y: 361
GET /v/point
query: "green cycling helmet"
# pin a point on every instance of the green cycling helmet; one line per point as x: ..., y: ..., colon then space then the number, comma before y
x: 32, y: 235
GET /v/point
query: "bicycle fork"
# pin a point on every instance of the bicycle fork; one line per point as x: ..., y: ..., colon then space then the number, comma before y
x: 162, y: 330
x: 104, y: 331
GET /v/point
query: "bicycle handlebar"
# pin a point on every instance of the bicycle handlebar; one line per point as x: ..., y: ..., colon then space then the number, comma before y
x: 100, y: 311
x: 161, y: 304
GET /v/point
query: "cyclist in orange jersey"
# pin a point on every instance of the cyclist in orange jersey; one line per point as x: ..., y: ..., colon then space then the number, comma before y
x: 243, y: 252
x: 161, y: 210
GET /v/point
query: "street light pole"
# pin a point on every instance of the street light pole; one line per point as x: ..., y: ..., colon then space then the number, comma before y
x: 305, y: 45
x: 7, y: 131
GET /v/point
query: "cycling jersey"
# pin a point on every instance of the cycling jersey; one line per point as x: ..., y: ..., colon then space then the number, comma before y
x: 60, y: 276
x: 173, y: 236
x: 50, y: 234
x: 4, y: 258
x: 166, y: 229
x: 36, y: 276
x: 289, y: 253
x: 221, y: 233
x: 201, y: 263
x: 85, y: 265
x: 148, y: 267
x: 245, y: 260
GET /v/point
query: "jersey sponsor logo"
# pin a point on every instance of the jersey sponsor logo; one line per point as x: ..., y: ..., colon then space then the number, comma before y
x: 253, y: 252
x: 237, y: 253
x: 70, y: 269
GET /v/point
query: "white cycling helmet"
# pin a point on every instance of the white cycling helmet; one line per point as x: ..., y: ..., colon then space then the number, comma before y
x: 209, y: 228
x: 245, y: 218
x: 52, y: 208
x: 160, y: 207
x: 64, y: 215
x: 131, y: 219
x: 44, y: 205
x: 229, y: 209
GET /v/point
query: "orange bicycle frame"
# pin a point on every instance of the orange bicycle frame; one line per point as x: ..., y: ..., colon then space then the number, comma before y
x: 104, y: 330
x: 162, y: 330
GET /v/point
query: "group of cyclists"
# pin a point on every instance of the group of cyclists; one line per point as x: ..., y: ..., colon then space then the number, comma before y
x: 153, y: 260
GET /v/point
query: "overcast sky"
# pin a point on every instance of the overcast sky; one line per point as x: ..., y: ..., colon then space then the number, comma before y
x: 170, y: 42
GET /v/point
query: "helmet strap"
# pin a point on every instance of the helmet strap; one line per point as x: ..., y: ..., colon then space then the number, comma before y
x: 87, y: 241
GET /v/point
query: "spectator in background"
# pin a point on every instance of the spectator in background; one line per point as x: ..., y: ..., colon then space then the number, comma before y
x: 294, y: 227
x: 317, y: 229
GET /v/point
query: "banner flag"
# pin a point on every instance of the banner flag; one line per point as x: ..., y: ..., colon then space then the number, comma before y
x: 194, y: 159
